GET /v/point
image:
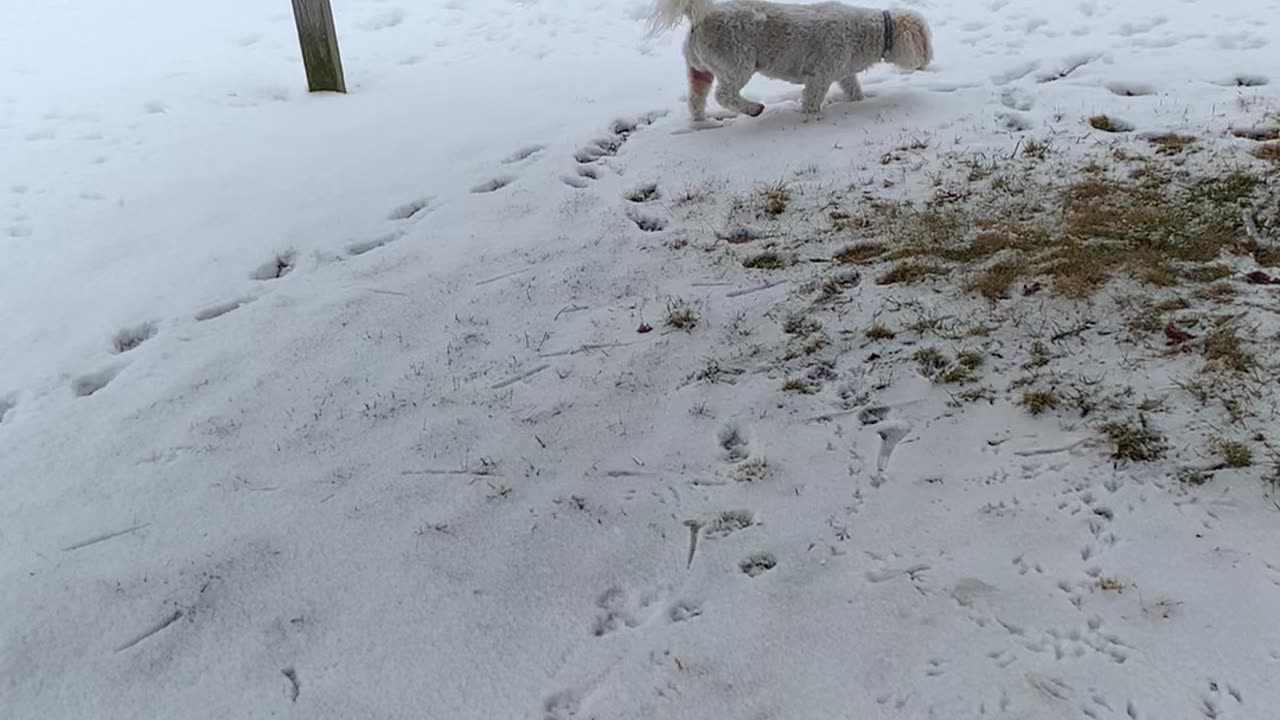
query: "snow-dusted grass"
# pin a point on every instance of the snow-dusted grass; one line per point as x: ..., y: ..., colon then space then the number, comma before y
x: 495, y: 389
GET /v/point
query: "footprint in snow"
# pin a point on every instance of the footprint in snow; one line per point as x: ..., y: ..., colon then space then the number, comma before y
x: 646, y: 193
x: 1130, y: 89
x: 1245, y: 80
x: 384, y: 20
x: 90, y: 383
x: 646, y: 222
x: 409, y: 209
x: 361, y: 247
x: 620, y: 131
x: 523, y: 154
x: 220, y: 309
x: 734, y: 443
x: 619, y: 610
x: 684, y: 610
x: 1017, y: 99
x: 275, y: 268
x: 1066, y: 67
x: 493, y: 185
x: 1014, y: 121
x: 129, y: 338
x: 758, y: 564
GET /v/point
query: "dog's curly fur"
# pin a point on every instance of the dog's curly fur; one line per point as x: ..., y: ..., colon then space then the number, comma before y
x: 811, y: 45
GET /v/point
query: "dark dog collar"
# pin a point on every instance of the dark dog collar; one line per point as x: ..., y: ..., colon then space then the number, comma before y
x: 888, y: 32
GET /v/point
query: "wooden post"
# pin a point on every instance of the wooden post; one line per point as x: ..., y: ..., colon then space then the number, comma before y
x: 319, y: 45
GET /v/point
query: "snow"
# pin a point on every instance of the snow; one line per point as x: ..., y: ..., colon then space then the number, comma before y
x: 332, y: 407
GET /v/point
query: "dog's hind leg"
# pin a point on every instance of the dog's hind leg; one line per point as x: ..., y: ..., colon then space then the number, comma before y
x: 852, y: 89
x: 729, y: 95
x: 815, y: 91
x: 699, y: 87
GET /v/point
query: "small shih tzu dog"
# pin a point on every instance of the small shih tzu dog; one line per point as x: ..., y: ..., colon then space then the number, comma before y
x: 810, y: 45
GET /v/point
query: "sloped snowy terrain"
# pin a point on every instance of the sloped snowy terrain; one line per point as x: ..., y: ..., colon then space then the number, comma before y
x: 493, y: 390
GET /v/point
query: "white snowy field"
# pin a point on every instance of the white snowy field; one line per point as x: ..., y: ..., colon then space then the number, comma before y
x: 338, y: 406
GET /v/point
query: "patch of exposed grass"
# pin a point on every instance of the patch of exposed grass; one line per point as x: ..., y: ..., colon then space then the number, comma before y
x: 1225, y: 349
x: 910, y: 272
x: 814, y: 344
x: 1036, y: 149
x: 1135, y: 440
x: 1171, y: 143
x: 1232, y: 188
x: 800, y: 324
x: 752, y: 471
x: 995, y: 280
x: 1073, y: 231
x: 1037, y: 402
x: 681, y: 315
x: 833, y: 286
x: 799, y: 385
x: 1219, y: 291
x: 1232, y: 453
x: 1194, y: 476
x: 859, y: 253
x: 1205, y: 273
x: 1268, y: 151
x: 1038, y: 356
x: 931, y: 360
x: 774, y: 199
x: 880, y: 332
x: 1171, y: 304
x: 807, y: 345
x: 1079, y: 270
x: 766, y: 260
x: 1106, y: 123
x: 931, y: 323
x: 964, y: 369
x: 980, y: 168
x: 713, y: 371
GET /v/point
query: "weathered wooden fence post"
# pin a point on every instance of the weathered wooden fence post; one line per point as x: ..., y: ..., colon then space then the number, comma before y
x: 319, y: 45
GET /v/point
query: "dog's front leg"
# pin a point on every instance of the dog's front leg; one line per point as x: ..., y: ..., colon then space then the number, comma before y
x: 852, y: 88
x: 815, y: 91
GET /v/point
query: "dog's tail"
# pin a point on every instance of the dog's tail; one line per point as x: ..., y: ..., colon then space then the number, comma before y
x: 667, y: 14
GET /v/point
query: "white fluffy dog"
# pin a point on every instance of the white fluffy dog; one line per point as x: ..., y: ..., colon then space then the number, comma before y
x: 811, y: 45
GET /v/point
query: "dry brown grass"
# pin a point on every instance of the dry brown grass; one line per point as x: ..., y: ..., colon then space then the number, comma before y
x: 1171, y: 143
x: 1224, y: 349
x: 880, y: 332
x: 1232, y: 453
x: 859, y: 253
x: 1268, y: 151
x: 994, y: 281
x: 1135, y: 440
x: 1072, y: 230
x: 774, y: 199
x: 766, y: 260
x: 1039, y: 401
x: 1106, y: 123
x: 911, y: 272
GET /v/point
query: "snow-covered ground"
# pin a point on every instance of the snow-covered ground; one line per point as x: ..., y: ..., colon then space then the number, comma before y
x: 338, y: 407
